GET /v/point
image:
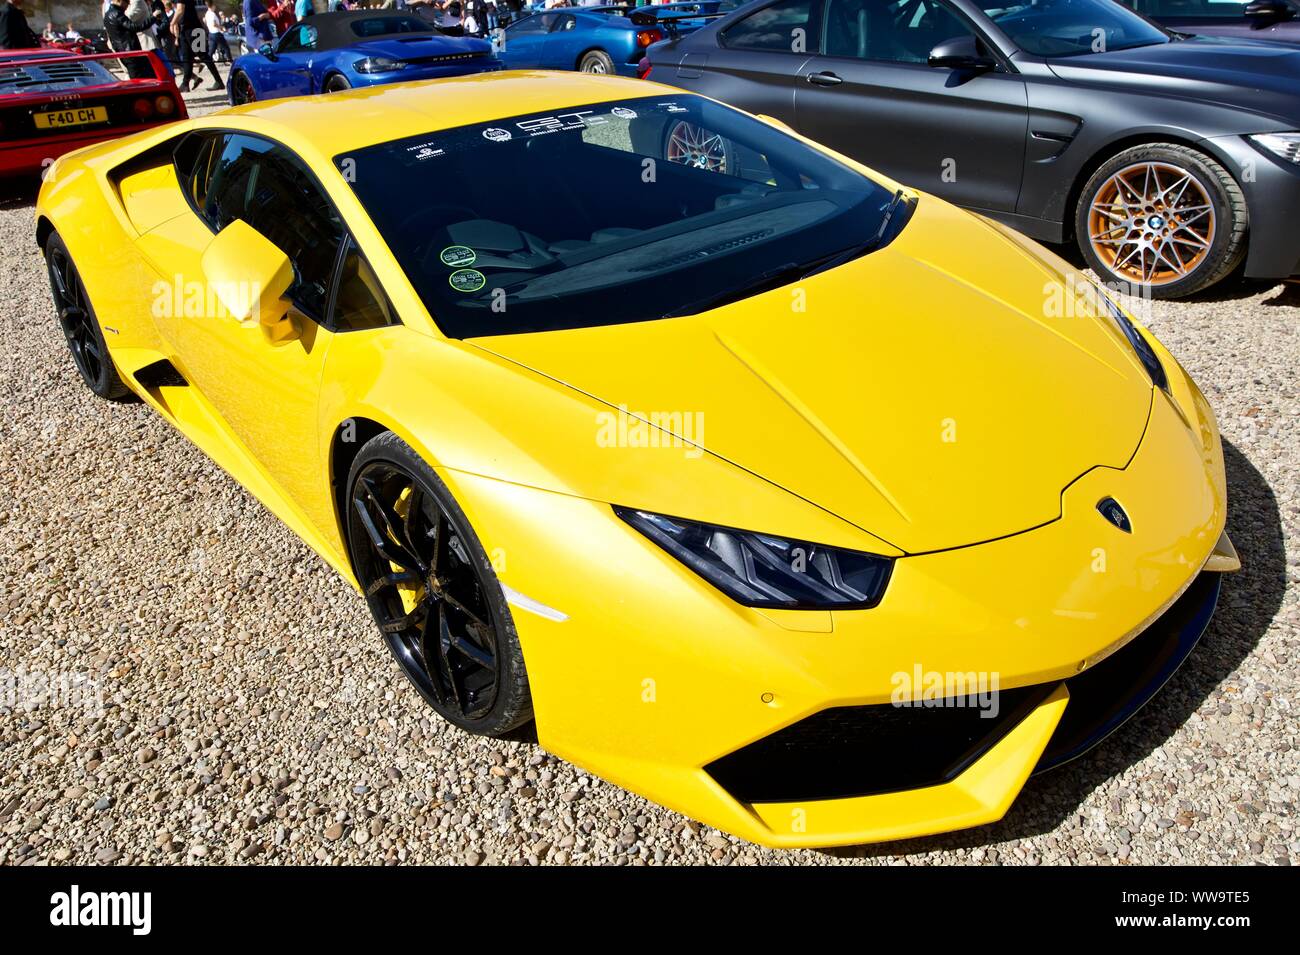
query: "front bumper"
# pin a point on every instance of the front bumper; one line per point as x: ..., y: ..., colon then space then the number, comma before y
x: 646, y: 676
x: 416, y: 72
x: 1272, y: 190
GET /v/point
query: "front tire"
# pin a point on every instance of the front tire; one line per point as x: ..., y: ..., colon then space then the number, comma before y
x: 241, y: 89
x: 596, y: 61
x: 337, y: 84
x: 432, y: 590
x: 1164, y: 218
x: 80, y: 325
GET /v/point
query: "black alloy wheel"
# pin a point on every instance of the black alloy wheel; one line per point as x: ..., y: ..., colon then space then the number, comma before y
x: 79, y: 325
x: 432, y: 591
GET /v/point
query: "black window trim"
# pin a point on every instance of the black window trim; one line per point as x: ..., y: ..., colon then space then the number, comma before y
x: 347, y: 246
x: 346, y: 240
x: 814, y: 40
x: 977, y: 28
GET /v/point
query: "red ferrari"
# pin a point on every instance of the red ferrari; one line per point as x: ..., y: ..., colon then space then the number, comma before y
x: 53, y: 101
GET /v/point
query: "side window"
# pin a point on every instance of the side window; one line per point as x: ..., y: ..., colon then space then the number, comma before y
x: 537, y: 23
x: 1225, y: 9
x: 565, y: 23
x: 359, y: 302
x: 299, y: 37
x: 893, y: 31
x: 270, y: 189
x: 781, y: 28
x: 194, y: 158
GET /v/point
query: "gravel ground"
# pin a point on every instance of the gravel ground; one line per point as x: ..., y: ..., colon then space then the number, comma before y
x: 252, y: 714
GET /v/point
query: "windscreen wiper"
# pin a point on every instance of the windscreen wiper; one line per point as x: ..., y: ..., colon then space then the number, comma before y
x: 794, y: 271
x: 772, y: 278
x: 836, y: 259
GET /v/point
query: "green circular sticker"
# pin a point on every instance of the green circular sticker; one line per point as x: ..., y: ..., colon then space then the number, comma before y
x: 467, y: 280
x: 458, y: 256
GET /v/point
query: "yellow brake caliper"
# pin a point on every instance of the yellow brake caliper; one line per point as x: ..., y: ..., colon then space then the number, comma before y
x: 411, y: 593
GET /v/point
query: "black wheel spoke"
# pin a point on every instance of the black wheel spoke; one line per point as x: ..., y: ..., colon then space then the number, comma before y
x: 435, y: 684
x: 387, y: 548
x: 392, y: 531
x: 414, y: 503
x: 474, y: 618
x: 472, y: 650
x: 444, y: 644
x: 404, y: 622
x: 390, y: 580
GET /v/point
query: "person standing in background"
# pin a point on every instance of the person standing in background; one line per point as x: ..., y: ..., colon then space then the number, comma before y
x: 192, y: 43
x: 257, y: 24
x: 216, y: 38
x: 282, y: 16
x: 120, y: 31
x: 302, y: 9
x: 139, y: 12
x: 15, y: 34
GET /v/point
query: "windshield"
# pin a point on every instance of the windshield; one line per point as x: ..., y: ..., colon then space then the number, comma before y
x: 604, y: 214
x: 1071, y: 27
x: 384, y: 26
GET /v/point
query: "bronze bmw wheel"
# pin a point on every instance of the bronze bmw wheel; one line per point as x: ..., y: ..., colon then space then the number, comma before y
x: 433, y: 592
x: 1163, y: 218
x: 691, y: 145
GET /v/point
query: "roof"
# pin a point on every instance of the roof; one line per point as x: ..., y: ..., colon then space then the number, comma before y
x: 362, y: 117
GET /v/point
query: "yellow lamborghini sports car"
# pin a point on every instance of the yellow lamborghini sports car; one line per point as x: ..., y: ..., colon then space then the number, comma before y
x: 812, y: 507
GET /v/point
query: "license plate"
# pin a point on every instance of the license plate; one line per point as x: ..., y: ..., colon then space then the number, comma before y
x: 81, y: 116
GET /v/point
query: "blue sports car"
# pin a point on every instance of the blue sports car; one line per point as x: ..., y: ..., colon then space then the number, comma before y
x: 591, y: 39
x: 337, y: 51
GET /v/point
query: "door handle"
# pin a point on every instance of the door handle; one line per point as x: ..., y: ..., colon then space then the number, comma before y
x: 824, y: 79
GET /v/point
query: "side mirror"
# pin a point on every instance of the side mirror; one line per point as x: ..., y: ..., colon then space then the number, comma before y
x: 1264, y: 12
x: 267, y: 51
x: 249, y: 276
x: 962, y: 53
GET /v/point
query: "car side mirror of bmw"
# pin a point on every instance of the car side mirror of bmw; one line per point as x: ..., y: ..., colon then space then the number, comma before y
x: 249, y: 276
x: 267, y: 51
x: 962, y: 53
x: 1264, y: 12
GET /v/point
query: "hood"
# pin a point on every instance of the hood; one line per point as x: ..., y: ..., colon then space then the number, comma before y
x: 939, y: 392
x: 421, y: 45
x: 1255, y: 76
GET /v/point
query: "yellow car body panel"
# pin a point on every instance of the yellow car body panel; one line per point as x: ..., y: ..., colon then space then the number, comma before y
x: 983, y: 481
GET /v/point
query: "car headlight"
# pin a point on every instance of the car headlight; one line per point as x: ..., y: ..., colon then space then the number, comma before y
x: 1146, y: 355
x: 1283, y: 145
x: 759, y: 570
x: 378, y: 64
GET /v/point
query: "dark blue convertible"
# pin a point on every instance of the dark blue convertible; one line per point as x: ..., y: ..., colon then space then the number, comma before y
x: 337, y: 51
x: 592, y: 39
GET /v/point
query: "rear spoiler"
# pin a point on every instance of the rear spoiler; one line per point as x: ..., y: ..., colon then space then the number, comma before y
x: 650, y: 17
x: 160, y: 70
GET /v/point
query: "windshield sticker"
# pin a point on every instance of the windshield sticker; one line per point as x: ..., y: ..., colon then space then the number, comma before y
x: 424, y: 151
x: 622, y: 112
x: 673, y: 107
x: 458, y: 256
x: 497, y: 135
x: 467, y: 280
x: 541, y: 125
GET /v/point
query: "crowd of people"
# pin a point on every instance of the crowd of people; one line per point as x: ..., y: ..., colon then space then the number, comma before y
x: 189, y: 42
